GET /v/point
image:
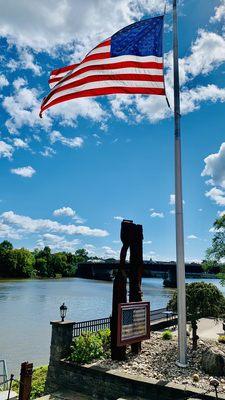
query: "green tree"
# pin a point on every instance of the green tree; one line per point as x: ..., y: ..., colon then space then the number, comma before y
x: 6, y: 245
x: 216, y: 253
x: 41, y: 267
x: 204, y: 300
x: 43, y: 263
x: 24, y: 263
x: 81, y: 256
x: 59, y: 263
x: 7, y: 263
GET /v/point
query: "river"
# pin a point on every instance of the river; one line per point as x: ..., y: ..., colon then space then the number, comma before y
x: 28, y: 306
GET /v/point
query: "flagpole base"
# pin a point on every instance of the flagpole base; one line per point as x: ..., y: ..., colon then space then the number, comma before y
x: 181, y: 365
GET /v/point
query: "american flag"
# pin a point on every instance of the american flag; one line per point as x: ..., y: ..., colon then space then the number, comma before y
x: 134, y: 322
x: 130, y: 62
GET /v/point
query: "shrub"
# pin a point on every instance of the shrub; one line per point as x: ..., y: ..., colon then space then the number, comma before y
x: 221, y: 338
x: 88, y: 347
x: 105, y: 336
x: 38, y: 382
x: 167, y: 335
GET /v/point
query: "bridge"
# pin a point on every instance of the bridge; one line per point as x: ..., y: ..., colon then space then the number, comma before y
x: 158, y: 269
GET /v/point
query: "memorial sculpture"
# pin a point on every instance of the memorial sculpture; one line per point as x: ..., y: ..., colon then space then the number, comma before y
x: 132, y: 239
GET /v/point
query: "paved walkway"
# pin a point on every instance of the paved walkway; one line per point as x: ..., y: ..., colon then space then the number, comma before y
x: 4, y: 395
x: 209, y: 329
x: 70, y: 395
x: 65, y: 395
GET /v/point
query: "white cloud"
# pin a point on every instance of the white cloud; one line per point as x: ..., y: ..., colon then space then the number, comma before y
x: 118, y: 218
x: 69, y: 111
x: 3, y: 81
x: 192, y: 237
x: 219, y: 12
x: 147, y: 242
x: 19, y: 82
x: 172, y: 199
x: 57, y: 243
x: 192, y: 99
x: 8, y: 232
x: 108, y: 252
x: 220, y: 213
x: 207, y: 53
x: 47, y: 151
x: 37, y: 138
x: 19, y: 143
x: 157, y: 215
x: 46, y: 25
x: 200, y: 209
x: 27, y: 62
x: 26, y: 172
x: 215, y: 167
x: 23, y: 108
x: 68, y: 211
x: 172, y: 212
x: 56, y: 136
x: 6, y: 150
x: 217, y: 195
x: 31, y: 225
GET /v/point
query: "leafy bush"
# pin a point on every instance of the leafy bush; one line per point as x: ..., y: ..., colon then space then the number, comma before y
x: 167, y: 335
x: 105, y: 336
x: 221, y: 338
x: 38, y: 382
x: 90, y: 346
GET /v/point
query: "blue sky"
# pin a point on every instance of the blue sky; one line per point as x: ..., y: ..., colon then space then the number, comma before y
x: 68, y: 179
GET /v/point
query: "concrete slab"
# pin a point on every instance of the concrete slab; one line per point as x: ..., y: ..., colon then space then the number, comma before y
x: 4, y: 395
x: 210, y: 329
x: 66, y: 395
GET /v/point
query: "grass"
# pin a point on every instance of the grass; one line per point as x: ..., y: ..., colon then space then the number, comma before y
x: 167, y: 335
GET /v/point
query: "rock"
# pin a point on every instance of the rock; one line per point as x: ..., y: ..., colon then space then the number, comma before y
x: 195, y: 378
x: 214, y: 382
x: 213, y: 361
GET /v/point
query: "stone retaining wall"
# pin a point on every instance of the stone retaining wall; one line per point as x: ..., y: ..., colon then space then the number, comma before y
x: 110, y: 385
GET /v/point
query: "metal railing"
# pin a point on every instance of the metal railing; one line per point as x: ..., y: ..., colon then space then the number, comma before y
x: 3, y: 375
x: 95, y: 325
x: 157, y: 315
x: 7, y: 385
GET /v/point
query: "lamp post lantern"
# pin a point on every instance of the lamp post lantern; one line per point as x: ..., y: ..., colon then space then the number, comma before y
x: 63, y: 311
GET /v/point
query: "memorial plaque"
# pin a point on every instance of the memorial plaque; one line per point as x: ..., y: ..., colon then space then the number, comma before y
x: 133, y: 322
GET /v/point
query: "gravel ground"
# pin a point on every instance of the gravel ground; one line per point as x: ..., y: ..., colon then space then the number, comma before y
x: 158, y: 360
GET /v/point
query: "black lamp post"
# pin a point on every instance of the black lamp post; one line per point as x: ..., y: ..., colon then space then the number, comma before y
x: 63, y: 310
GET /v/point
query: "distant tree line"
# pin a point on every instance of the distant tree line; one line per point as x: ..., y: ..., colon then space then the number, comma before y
x: 23, y: 263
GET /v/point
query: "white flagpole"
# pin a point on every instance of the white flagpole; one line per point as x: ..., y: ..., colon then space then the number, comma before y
x: 181, y: 294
